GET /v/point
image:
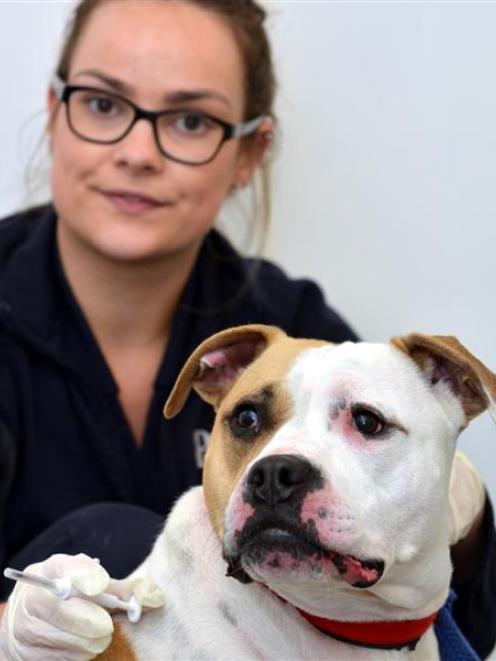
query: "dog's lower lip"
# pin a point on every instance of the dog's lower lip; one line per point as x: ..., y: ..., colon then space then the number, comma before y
x: 276, y: 535
x: 360, y: 573
x: 281, y: 539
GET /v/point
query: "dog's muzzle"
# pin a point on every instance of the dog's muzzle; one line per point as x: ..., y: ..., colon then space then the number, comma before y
x: 274, y: 539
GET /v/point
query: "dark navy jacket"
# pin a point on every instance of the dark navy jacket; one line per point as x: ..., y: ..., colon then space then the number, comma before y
x: 64, y: 440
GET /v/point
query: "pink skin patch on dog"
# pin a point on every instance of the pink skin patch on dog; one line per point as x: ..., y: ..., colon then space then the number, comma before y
x: 240, y: 512
x: 341, y: 423
x: 316, y: 506
x: 330, y: 521
x: 356, y: 572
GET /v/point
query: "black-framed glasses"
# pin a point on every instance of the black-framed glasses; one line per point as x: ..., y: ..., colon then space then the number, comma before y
x: 187, y: 136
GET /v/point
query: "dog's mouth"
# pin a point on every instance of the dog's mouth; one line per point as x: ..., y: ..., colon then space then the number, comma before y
x: 278, y: 551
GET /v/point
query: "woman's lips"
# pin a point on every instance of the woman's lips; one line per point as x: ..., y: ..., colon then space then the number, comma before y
x: 132, y: 203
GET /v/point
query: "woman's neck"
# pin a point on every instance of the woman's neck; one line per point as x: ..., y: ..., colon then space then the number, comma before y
x: 125, y: 303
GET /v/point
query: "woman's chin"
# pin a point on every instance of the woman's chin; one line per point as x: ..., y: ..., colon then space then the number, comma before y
x: 134, y: 248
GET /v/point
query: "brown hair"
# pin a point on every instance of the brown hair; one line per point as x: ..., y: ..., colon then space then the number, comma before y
x: 246, y: 19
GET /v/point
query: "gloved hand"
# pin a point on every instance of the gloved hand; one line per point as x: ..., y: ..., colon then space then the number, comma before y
x: 466, y: 497
x: 38, y: 625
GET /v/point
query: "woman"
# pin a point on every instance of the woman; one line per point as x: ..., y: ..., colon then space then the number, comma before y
x: 158, y: 111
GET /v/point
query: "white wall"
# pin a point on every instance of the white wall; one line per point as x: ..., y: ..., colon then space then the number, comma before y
x: 385, y: 188
x: 30, y: 33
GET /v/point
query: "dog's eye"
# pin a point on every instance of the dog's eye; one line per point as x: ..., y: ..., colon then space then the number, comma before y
x: 247, y: 418
x: 245, y: 421
x: 367, y: 422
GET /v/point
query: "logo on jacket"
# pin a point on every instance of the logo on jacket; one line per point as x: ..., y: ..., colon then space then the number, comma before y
x: 201, y: 438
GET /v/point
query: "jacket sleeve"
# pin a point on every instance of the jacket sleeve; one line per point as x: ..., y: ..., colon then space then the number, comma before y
x: 8, y: 448
x: 7, y: 468
x: 475, y: 607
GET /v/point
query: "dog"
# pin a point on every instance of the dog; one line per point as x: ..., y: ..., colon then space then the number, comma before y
x: 321, y: 529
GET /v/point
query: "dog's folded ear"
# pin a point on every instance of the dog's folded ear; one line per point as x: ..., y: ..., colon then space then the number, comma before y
x: 444, y: 359
x: 214, y: 366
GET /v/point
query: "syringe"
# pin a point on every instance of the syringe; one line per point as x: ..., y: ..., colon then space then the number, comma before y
x: 63, y: 589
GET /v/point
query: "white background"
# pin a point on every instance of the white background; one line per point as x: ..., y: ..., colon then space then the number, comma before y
x: 385, y: 170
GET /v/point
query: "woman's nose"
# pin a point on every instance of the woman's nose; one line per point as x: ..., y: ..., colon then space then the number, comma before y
x: 139, y: 148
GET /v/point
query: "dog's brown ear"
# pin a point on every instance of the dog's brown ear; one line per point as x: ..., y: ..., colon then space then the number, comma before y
x: 444, y: 358
x: 214, y: 366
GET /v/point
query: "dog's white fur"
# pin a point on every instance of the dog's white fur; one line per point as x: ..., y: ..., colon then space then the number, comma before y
x: 384, y: 497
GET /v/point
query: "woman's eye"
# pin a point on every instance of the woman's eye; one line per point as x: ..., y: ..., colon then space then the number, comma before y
x: 102, y: 105
x: 367, y: 422
x: 192, y: 123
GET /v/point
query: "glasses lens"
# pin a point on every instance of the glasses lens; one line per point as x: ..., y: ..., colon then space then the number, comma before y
x: 189, y: 136
x: 99, y: 116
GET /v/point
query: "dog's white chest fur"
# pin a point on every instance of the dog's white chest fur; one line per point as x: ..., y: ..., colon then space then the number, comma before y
x: 210, y: 616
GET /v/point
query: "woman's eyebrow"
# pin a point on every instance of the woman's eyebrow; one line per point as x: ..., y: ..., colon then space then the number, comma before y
x: 183, y: 96
x: 175, y: 98
x: 114, y: 83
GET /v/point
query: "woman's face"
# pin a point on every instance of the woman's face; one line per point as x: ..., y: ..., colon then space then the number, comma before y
x: 126, y: 200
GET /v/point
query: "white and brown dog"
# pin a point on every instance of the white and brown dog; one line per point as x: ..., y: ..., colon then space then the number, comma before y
x: 321, y: 530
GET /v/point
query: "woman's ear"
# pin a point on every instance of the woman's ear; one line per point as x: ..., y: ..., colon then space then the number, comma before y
x: 251, y: 152
x: 53, y: 102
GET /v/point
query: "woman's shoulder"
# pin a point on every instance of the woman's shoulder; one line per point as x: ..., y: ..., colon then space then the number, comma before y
x: 299, y: 305
x: 25, y: 218
x: 17, y: 228
x: 265, y: 293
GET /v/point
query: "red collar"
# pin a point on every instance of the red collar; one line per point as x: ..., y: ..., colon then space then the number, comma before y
x: 393, y: 634
x: 384, y: 635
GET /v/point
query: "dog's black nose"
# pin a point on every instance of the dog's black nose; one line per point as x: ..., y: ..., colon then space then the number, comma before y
x: 279, y: 478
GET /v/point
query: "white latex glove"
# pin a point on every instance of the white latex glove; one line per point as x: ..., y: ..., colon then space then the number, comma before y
x: 466, y: 497
x: 38, y: 625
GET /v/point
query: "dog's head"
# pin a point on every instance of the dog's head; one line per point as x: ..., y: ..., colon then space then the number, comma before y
x: 328, y: 468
